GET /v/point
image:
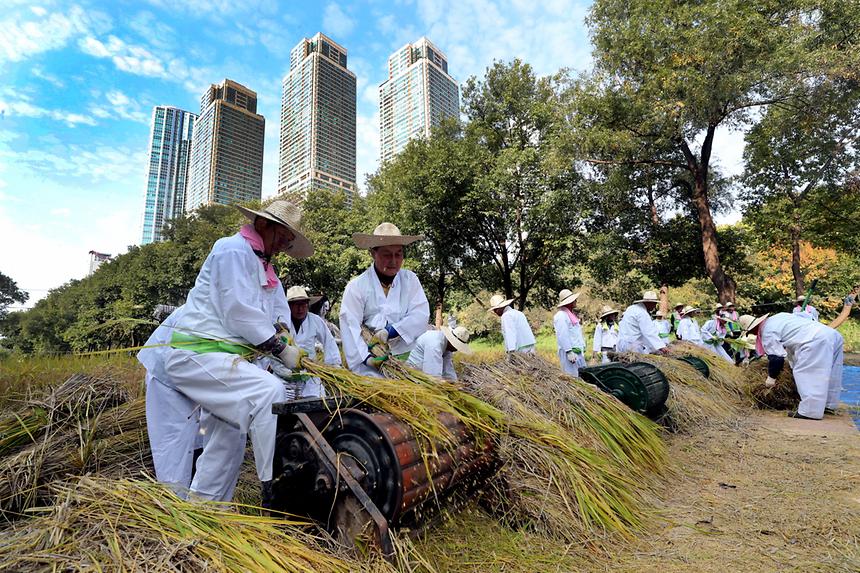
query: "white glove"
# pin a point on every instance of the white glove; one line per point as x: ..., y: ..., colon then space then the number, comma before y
x: 770, y: 382
x: 571, y: 356
x: 291, y: 356
x: 381, y: 335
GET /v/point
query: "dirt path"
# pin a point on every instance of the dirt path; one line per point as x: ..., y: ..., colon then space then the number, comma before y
x: 766, y: 494
x: 770, y: 494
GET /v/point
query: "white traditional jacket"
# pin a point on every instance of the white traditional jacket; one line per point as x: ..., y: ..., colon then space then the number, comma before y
x: 605, y: 337
x: 810, y: 312
x: 431, y: 355
x: 230, y: 300
x: 713, y: 339
x: 365, y: 303
x: 689, y: 331
x: 313, y: 329
x: 664, y: 327
x: 516, y: 331
x: 637, y: 332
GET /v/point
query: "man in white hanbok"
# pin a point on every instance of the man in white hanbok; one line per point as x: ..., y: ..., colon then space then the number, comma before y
x: 434, y: 351
x: 386, y: 299
x: 309, y: 331
x: 636, y: 331
x: 228, y: 320
x: 689, y: 329
x: 568, y: 333
x: 714, y: 335
x: 814, y: 352
x: 605, y: 334
x: 516, y: 332
x: 664, y: 327
x: 808, y: 312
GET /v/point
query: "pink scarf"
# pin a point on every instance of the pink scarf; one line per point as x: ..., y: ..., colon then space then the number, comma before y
x: 721, y: 327
x: 759, y: 347
x: 574, y: 320
x: 250, y: 234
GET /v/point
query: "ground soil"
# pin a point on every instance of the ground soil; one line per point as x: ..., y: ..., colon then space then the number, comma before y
x: 765, y: 493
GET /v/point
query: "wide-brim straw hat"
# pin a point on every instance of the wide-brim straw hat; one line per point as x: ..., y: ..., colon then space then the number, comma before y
x: 719, y: 306
x: 660, y: 313
x: 299, y: 293
x: 286, y: 214
x: 565, y: 297
x: 384, y: 235
x: 801, y: 298
x: 677, y: 304
x: 498, y: 301
x: 748, y: 322
x: 607, y: 310
x: 729, y: 304
x: 689, y: 309
x: 459, y: 338
x: 648, y: 296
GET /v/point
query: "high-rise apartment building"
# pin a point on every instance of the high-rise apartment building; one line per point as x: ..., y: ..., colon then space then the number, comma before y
x: 169, y: 148
x: 416, y: 97
x: 227, y: 148
x: 317, y: 139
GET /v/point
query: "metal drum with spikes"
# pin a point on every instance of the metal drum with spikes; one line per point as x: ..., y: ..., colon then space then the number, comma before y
x: 697, y: 363
x: 639, y: 385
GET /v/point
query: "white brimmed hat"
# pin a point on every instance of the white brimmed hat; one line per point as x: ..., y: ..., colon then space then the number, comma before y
x: 660, y: 313
x: 728, y: 304
x: 498, y: 301
x: 299, y: 293
x: 286, y: 214
x: 565, y: 297
x: 607, y: 310
x: 385, y: 234
x: 748, y: 321
x: 801, y: 298
x: 719, y: 306
x: 688, y: 309
x: 648, y: 296
x: 677, y: 304
x: 458, y: 337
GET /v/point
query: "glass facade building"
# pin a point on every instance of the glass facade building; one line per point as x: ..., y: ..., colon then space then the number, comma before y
x: 416, y: 97
x: 226, y: 165
x: 167, y: 177
x: 318, y: 121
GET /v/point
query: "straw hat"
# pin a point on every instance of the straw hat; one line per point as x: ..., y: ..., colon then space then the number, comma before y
x: 801, y: 298
x: 385, y: 234
x: 607, y: 310
x: 677, y: 304
x: 286, y: 214
x: 748, y: 322
x: 729, y: 304
x: 689, y: 309
x: 660, y: 313
x: 648, y: 296
x: 719, y: 306
x: 458, y: 337
x: 498, y: 301
x: 565, y: 297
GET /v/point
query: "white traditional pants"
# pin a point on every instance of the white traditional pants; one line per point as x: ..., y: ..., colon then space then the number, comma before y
x: 569, y: 367
x: 173, y: 423
x: 239, y: 395
x: 818, y: 373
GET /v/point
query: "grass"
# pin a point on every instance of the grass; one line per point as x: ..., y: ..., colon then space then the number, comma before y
x: 850, y: 331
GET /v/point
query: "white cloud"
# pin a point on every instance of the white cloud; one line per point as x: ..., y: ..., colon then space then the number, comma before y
x: 92, y: 163
x: 24, y: 108
x: 367, y: 136
x: 60, y: 212
x: 26, y: 37
x: 50, y: 78
x: 155, y: 31
x: 129, y: 58
x: 336, y: 23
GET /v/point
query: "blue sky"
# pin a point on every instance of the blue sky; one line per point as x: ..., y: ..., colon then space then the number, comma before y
x: 80, y: 81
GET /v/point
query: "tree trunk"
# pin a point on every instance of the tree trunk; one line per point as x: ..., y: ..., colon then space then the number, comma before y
x: 724, y: 284
x: 441, y: 300
x: 796, y: 272
x: 664, y: 299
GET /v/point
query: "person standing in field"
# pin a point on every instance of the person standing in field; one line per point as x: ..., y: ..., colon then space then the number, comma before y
x: 814, y: 352
x: 516, y: 332
x: 714, y: 335
x: 230, y: 318
x: 434, y: 351
x: 605, y: 334
x: 309, y: 331
x: 386, y: 299
x: 636, y: 331
x: 568, y: 333
x: 664, y: 328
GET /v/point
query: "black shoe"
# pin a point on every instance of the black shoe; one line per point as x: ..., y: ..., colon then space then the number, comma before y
x: 831, y: 411
x: 267, y: 495
x: 801, y: 416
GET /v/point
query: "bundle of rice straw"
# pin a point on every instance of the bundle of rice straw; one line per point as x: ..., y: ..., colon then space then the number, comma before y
x: 693, y: 401
x: 112, y: 443
x: 783, y: 396
x: 723, y: 374
x: 78, y: 398
x: 104, y: 525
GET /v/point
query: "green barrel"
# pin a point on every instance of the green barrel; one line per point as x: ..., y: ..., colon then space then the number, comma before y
x: 642, y: 387
x: 698, y: 364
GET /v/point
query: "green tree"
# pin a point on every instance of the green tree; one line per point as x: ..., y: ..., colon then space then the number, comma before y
x: 669, y: 73
x: 9, y: 293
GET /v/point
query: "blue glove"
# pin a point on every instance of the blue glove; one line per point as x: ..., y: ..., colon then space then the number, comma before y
x: 392, y: 332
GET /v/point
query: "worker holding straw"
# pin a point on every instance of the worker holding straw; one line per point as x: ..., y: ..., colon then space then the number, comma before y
x: 229, y: 319
x: 308, y: 331
x: 636, y: 331
x: 606, y: 333
x: 386, y: 299
x: 434, y: 351
x: 516, y: 332
x: 568, y: 333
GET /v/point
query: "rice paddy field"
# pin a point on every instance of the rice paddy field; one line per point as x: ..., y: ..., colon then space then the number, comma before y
x: 730, y: 483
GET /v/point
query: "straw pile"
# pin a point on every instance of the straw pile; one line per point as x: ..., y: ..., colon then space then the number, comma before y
x: 723, y: 374
x: 694, y: 402
x: 99, y: 524
x: 783, y: 396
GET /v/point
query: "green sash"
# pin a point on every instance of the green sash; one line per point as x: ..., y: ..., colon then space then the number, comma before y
x: 204, y: 345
